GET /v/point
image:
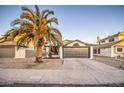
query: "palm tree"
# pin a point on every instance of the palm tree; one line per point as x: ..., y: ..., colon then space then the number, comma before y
x: 34, y: 27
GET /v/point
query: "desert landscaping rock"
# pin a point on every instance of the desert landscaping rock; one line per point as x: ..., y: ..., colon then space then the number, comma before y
x: 110, y: 61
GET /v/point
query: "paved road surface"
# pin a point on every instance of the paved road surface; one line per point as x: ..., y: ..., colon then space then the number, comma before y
x: 73, y: 72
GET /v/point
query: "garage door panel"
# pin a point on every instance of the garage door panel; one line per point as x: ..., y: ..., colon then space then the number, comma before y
x: 7, y: 52
x: 76, y: 52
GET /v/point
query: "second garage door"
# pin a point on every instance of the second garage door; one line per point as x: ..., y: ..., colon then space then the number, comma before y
x: 82, y: 52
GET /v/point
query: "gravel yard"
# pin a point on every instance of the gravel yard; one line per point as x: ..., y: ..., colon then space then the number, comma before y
x: 110, y: 61
x: 29, y: 64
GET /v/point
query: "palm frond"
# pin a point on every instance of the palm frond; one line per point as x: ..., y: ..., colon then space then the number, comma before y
x: 11, y: 34
x: 2, y: 40
x: 52, y: 20
x: 54, y: 30
x: 19, y: 22
x: 37, y: 10
x: 44, y: 12
x: 29, y: 11
x: 28, y: 16
x: 57, y: 39
x: 49, y: 13
x: 24, y: 40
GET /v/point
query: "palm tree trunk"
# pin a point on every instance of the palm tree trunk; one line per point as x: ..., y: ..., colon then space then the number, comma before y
x: 38, y: 56
x: 50, y: 54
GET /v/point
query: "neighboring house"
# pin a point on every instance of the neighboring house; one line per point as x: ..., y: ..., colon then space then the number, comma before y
x: 111, y: 46
x: 112, y: 38
x: 9, y: 50
x: 76, y: 49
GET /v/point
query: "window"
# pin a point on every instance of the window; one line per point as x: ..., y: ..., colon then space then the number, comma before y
x: 98, y: 51
x: 111, y: 40
x: 119, y: 49
x: 76, y: 45
x: 95, y: 51
x: 102, y: 41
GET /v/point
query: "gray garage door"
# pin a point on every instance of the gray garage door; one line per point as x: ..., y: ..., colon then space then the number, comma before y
x: 30, y: 53
x: 7, y: 52
x: 76, y: 52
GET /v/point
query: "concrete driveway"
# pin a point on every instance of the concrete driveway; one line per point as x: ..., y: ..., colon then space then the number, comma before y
x: 80, y: 72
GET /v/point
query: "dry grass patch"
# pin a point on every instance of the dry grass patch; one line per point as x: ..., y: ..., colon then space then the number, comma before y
x: 29, y: 64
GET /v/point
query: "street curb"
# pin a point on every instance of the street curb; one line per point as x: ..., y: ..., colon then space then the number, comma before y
x: 61, y: 85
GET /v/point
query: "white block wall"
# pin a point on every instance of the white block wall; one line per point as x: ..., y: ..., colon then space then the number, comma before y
x: 61, y: 52
x: 47, y: 51
x: 91, y: 52
x: 20, y: 53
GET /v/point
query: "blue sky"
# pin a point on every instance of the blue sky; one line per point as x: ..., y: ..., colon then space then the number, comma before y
x: 75, y: 22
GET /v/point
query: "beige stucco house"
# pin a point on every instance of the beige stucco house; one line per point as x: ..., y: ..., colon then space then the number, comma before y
x: 111, y: 46
x: 72, y: 49
x: 76, y: 49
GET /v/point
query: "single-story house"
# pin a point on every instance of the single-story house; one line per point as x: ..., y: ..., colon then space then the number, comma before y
x: 76, y: 49
x: 9, y: 50
x: 113, y: 49
x: 71, y: 49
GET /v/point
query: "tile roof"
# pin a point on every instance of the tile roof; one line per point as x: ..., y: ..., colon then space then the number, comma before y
x: 11, y: 43
x: 71, y: 41
x: 108, y: 44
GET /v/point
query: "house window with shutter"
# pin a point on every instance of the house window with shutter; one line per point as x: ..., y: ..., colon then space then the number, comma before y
x: 119, y: 49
